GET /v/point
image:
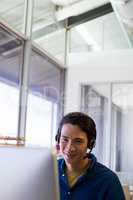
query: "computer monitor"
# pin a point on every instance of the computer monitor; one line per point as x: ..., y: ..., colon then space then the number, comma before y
x: 28, y: 174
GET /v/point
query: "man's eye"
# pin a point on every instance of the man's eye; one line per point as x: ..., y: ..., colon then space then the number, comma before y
x: 78, y: 141
x: 64, y: 139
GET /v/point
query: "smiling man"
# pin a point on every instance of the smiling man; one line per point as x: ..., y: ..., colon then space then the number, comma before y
x: 80, y: 175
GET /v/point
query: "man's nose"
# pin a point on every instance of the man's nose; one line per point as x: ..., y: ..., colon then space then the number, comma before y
x: 70, y: 146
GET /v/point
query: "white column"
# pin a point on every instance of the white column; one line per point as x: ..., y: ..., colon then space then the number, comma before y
x: 24, y: 79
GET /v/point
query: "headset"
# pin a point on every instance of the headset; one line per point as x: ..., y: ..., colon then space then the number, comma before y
x: 92, y: 143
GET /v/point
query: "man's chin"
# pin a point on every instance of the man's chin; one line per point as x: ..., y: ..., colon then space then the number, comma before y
x: 70, y: 160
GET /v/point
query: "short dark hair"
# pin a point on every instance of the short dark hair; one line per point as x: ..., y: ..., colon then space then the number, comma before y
x: 83, y: 121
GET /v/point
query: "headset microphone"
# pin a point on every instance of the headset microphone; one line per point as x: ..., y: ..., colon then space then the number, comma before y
x: 87, y: 154
x: 91, y: 145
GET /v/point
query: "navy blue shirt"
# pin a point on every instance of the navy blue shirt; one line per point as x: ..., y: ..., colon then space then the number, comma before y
x: 98, y: 183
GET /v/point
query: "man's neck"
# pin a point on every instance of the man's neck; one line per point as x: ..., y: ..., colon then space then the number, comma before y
x: 79, y: 168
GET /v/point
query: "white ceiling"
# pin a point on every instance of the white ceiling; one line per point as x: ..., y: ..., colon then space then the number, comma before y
x: 103, y: 33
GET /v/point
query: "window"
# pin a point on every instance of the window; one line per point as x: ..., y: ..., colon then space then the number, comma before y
x: 44, y: 106
x: 43, y: 100
x: 10, y: 63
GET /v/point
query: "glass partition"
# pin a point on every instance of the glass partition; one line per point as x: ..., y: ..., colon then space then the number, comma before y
x: 124, y: 13
x: 53, y: 43
x: 95, y: 104
x: 49, y: 27
x: 12, y: 12
x: 111, y: 106
x: 122, y: 97
x: 47, y: 31
x: 100, y: 34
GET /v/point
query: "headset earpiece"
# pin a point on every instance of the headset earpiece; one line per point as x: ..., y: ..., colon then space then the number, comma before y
x: 57, y: 137
x: 92, y: 143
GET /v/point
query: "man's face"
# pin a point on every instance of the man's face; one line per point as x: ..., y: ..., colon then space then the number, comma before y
x: 73, y: 144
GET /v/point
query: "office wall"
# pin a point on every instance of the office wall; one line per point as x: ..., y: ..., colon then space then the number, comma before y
x: 95, y: 67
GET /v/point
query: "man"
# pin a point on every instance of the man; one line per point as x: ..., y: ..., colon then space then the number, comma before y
x: 80, y: 175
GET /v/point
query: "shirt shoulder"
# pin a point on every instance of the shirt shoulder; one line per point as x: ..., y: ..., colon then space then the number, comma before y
x: 101, y: 169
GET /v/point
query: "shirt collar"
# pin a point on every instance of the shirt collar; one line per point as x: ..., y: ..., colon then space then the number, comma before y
x: 90, y: 156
